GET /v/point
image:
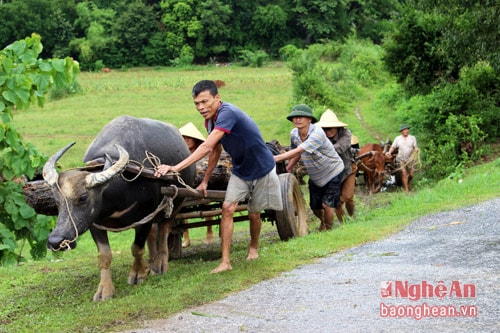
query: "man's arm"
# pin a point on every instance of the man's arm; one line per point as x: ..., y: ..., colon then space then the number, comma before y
x: 205, y: 148
x: 292, y: 162
x: 289, y: 154
x: 213, y: 158
x: 393, y: 147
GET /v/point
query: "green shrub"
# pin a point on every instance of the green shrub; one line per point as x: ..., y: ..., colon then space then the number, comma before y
x: 333, y: 75
x: 453, y: 122
x: 185, y: 58
x: 253, y: 59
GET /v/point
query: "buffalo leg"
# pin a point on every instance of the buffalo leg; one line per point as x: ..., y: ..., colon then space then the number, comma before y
x: 105, y: 290
x: 380, y: 182
x: 159, y: 263
x: 139, y: 270
x: 371, y: 182
x: 152, y: 242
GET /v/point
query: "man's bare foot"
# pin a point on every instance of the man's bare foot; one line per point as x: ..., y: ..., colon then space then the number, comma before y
x: 209, y: 239
x: 186, y: 243
x: 252, y: 254
x: 222, y: 268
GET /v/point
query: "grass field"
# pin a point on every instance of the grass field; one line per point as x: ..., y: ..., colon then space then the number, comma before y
x: 265, y: 94
x: 54, y: 295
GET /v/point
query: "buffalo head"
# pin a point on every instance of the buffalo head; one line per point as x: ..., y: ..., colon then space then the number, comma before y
x: 78, y: 195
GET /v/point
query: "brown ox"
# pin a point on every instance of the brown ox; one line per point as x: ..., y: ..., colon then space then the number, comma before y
x: 371, y: 161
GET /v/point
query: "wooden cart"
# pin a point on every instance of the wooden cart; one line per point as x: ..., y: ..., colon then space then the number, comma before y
x: 290, y: 222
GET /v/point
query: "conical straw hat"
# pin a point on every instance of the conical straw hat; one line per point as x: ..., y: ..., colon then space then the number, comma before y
x: 191, y: 131
x: 329, y: 119
x: 354, y: 140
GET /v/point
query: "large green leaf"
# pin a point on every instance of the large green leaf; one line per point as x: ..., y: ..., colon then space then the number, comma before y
x: 59, y: 65
x: 2, y: 79
x: 17, y: 47
x: 26, y: 211
x: 23, y: 94
x: 45, y: 66
x: 9, y: 96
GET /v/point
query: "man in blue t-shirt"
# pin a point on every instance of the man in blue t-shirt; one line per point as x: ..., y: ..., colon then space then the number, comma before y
x: 253, y: 171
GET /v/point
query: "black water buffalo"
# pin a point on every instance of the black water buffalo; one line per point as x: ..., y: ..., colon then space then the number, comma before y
x: 103, y: 200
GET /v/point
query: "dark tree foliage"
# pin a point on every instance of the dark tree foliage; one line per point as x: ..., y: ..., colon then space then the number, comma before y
x: 413, y: 53
x: 269, y: 27
x: 322, y: 19
x: 133, y: 29
x: 48, y: 18
x: 122, y: 33
x: 433, y: 40
x: 372, y: 19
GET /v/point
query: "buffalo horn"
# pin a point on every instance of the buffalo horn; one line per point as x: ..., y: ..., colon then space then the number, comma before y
x: 50, y: 174
x: 102, y: 177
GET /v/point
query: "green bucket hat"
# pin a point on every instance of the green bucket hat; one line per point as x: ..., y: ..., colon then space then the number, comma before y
x: 301, y: 110
x: 403, y: 127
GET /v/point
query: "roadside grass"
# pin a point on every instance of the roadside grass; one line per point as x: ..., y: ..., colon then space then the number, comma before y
x: 54, y: 294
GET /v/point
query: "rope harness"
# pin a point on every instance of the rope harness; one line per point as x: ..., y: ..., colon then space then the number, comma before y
x: 414, y: 158
x: 359, y: 162
x: 166, y: 205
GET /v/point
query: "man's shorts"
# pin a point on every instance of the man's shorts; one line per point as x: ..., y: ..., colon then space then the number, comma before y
x: 264, y: 193
x: 408, y: 165
x: 328, y: 194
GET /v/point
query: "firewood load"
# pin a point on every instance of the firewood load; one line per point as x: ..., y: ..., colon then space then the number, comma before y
x: 39, y: 194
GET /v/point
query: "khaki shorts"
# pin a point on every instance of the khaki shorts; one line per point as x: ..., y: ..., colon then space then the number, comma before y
x: 408, y: 165
x: 263, y: 193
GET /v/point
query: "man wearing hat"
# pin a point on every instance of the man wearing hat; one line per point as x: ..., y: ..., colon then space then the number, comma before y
x: 324, y: 166
x: 341, y: 138
x: 253, y: 173
x: 406, y: 145
x: 193, y: 138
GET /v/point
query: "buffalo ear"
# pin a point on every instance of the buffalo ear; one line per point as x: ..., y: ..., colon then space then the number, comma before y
x: 108, y: 162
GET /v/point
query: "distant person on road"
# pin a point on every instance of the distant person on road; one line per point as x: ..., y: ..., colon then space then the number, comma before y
x: 254, y: 169
x: 193, y: 139
x: 324, y: 166
x: 406, y: 145
x: 341, y: 139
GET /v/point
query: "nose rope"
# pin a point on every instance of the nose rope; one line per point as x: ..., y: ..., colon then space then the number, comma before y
x: 66, y: 243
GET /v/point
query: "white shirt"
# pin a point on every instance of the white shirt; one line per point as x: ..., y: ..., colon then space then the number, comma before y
x: 405, y: 146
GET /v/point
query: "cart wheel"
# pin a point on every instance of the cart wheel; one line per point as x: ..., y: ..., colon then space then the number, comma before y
x: 174, y: 245
x: 292, y: 220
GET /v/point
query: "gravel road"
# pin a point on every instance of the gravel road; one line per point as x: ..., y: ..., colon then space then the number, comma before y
x: 450, y: 261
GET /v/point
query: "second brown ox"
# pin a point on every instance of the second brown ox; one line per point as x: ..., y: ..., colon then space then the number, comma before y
x: 371, y: 161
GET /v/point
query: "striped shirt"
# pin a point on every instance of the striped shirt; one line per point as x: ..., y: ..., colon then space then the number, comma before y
x: 319, y: 157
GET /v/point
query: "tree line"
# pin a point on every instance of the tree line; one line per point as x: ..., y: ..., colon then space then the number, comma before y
x: 129, y: 33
